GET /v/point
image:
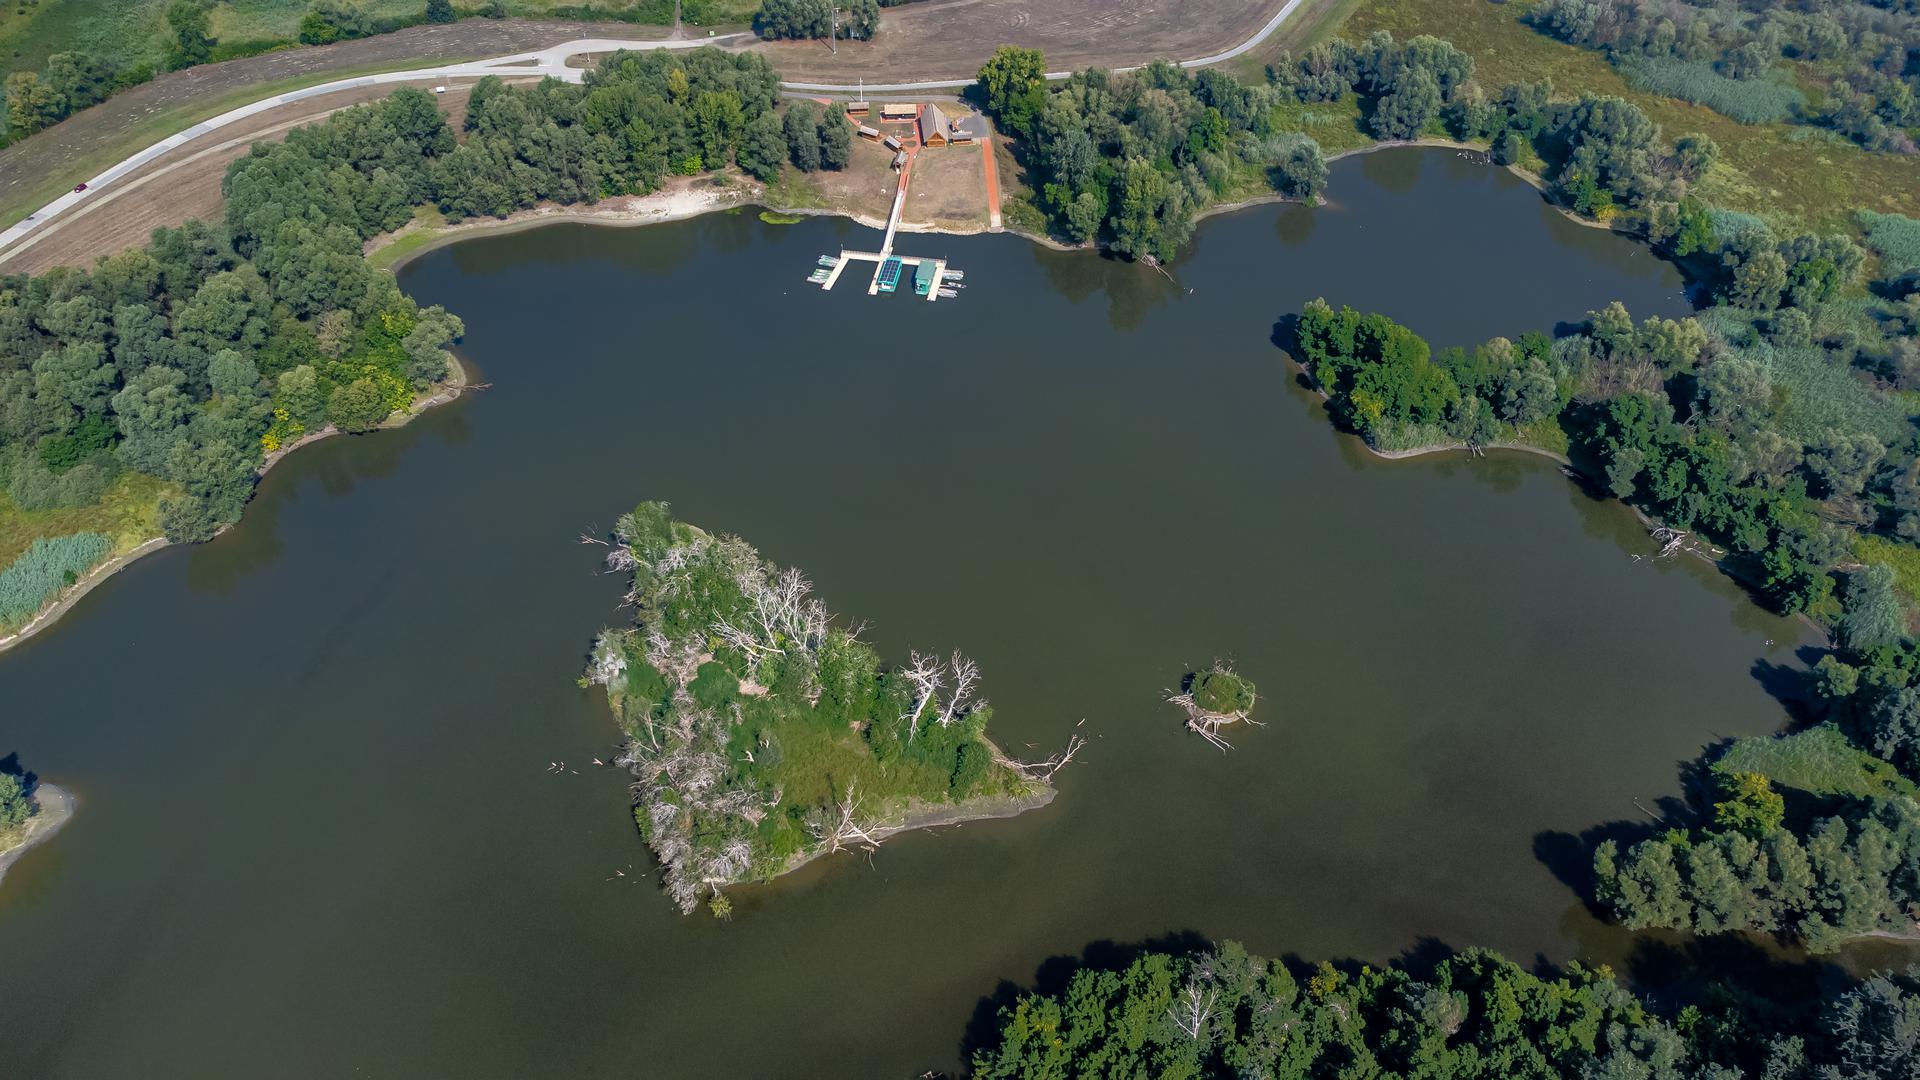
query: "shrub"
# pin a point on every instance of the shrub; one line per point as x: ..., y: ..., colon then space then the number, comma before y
x: 43, y: 569
x: 16, y: 805
x: 1750, y: 101
x: 1895, y: 239
x: 1222, y: 691
x: 1819, y: 395
x: 1819, y: 761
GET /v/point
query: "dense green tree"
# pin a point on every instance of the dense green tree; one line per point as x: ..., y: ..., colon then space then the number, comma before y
x: 836, y: 140
x: 357, y: 406
x: 1852, y: 874
x: 1749, y: 805
x: 31, y: 103
x: 1405, y: 112
x: 440, y: 11
x: 328, y: 21
x: 763, y: 147
x: 863, y: 20
x: 192, y: 34
x: 16, y: 806
x: 802, y: 126
x: 1013, y: 87
x: 794, y: 19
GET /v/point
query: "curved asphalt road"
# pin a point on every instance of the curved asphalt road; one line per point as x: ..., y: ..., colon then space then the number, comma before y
x: 546, y: 62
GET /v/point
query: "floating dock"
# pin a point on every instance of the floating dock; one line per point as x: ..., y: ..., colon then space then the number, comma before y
x: 929, y: 275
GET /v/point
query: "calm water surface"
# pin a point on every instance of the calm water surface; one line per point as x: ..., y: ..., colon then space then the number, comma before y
x: 317, y: 835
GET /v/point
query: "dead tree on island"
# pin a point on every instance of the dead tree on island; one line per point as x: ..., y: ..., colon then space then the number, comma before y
x: 1213, y: 699
x: 1042, y: 771
x: 837, y: 828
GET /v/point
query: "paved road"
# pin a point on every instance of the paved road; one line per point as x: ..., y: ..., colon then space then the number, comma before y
x: 550, y: 61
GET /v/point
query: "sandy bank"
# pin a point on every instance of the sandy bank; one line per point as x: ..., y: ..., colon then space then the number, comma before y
x: 676, y: 202
x: 924, y: 816
x: 980, y: 808
x: 66, y: 598
x: 56, y: 809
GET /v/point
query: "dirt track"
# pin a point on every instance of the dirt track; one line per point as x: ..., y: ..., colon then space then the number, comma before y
x: 950, y: 39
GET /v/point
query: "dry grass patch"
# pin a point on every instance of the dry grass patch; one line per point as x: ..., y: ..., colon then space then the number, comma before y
x: 1790, y: 174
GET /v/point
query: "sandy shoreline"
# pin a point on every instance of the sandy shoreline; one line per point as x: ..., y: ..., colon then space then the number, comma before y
x: 978, y: 808
x: 66, y: 598
x: 56, y: 809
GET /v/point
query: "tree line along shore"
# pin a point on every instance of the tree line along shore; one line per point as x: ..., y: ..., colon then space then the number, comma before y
x: 1771, y: 424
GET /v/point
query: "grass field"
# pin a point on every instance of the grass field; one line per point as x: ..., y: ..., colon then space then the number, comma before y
x: 127, y: 513
x: 127, y: 31
x: 1819, y: 761
x: 1790, y: 175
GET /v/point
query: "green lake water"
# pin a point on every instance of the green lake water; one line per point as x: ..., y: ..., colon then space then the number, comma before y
x: 318, y: 836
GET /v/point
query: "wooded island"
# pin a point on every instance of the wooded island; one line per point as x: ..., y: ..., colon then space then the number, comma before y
x: 761, y: 736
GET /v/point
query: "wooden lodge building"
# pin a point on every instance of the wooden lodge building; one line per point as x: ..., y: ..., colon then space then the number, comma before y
x: 937, y: 130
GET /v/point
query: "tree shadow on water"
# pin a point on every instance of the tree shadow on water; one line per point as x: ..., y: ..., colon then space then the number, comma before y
x: 1569, y: 857
x: 10, y: 766
x: 1682, y: 968
x: 1055, y: 972
x: 1788, y: 685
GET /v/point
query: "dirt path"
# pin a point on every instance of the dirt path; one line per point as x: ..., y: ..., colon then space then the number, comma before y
x: 992, y: 171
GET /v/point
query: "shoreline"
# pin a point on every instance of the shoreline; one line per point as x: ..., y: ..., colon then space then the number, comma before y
x: 457, y: 382
x: 1707, y: 552
x: 922, y: 816
x: 56, y: 809
x: 684, y: 203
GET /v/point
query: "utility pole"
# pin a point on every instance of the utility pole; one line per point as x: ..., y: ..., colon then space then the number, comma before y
x: 833, y: 38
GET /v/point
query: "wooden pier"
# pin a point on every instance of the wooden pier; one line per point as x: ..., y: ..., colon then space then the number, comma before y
x: 879, y: 258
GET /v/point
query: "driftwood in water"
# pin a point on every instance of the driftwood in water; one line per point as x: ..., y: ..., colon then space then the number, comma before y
x: 1213, y: 699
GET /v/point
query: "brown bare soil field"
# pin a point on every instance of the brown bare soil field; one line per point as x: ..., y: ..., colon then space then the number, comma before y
x: 864, y: 189
x: 185, y: 183
x: 949, y: 188
x: 56, y: 150
x: 950, y: 39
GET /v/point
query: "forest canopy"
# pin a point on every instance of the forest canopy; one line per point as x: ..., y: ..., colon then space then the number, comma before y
x: 1222, y: 1012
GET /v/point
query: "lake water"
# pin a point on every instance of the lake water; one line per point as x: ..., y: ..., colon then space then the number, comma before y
x: 318, y: 836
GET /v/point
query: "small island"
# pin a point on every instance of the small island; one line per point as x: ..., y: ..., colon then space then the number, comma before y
x: 1215, y: 698
x: 30, y: 813
x: 761, y: 735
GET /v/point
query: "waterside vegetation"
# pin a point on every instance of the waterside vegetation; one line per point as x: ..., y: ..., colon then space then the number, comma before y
x: 761, y: 735
x: 148, y: 393
x: 1220, y: 1012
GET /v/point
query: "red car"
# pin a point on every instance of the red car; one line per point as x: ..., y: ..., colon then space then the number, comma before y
x: 78, y: 188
